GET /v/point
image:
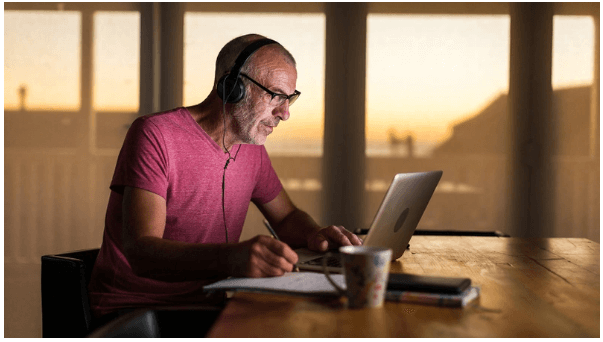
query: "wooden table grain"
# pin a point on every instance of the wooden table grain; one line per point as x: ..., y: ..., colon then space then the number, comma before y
x: 541, y: 287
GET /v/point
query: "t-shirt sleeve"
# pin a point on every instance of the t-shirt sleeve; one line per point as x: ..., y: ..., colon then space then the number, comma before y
x: 142, y: 161
x: 268, y: 185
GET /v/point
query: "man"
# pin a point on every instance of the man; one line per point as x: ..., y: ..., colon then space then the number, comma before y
x: 182, y: 185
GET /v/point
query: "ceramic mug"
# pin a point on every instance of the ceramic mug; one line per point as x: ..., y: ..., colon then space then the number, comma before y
x: 366, y: 271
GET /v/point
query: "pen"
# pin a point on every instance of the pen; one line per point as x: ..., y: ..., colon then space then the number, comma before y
x: 267, y: 224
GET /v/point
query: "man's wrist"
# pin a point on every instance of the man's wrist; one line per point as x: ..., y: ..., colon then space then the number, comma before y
x: 223, y: 258
x: 312, y: 235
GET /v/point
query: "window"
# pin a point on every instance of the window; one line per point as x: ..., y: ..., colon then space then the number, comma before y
x: 436, y: 88
x: 116, y: 76
x: 572, y: 77
x: 42, y: 60
x: 576, y: 132
x: 573, y: 51
x: 116, y: 61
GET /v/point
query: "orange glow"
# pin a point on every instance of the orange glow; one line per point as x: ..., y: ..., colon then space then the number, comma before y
x: 424, y: 72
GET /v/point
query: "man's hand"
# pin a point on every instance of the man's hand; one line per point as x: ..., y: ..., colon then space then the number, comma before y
x: 259, y: 257
x: 331, y: 237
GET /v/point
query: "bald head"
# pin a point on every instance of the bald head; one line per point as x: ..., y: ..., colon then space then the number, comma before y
x: 230, y: 52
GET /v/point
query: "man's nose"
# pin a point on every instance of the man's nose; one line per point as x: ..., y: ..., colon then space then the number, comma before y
x: 282, y: 111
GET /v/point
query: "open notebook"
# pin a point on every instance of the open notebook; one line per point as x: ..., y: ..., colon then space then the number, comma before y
x: 296, y: 283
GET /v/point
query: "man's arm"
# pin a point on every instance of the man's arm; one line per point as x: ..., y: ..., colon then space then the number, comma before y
x: 298, y: 229
x: 151, y: 256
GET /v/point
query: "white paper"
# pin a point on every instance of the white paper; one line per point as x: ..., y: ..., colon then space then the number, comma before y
x: 294, y: 282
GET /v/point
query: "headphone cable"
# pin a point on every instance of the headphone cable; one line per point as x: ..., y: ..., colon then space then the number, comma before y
x: 229, y: 157
x: 227, y: 161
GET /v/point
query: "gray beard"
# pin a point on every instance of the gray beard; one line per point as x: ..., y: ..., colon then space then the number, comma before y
x: 244, y: 115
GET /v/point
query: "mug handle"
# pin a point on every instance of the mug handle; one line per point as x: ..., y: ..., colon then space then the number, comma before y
x: 325, y: 270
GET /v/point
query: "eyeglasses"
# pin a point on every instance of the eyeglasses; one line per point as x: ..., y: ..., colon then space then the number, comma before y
x: 281, y: 98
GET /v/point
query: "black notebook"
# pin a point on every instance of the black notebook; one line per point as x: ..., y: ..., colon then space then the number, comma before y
x: 431, y: 284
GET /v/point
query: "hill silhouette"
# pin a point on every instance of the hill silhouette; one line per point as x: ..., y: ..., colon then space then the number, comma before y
x: 488, y: 131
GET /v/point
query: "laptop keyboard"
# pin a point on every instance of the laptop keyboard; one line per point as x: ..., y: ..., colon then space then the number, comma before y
x: 332, y: 261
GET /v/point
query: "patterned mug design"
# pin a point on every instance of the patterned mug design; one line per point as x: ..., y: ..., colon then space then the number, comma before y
x: 366, y: 271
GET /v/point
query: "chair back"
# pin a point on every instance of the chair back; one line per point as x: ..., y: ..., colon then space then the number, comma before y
x: 139, y: 323
x: 65, y: 304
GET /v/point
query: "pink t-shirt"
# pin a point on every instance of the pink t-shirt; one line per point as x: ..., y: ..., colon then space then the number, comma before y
x: 170, y: 155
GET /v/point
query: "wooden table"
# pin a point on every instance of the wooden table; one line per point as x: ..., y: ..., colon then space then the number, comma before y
x: 529, y: 288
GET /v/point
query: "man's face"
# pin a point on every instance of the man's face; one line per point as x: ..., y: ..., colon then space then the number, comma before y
x: 256, y: 116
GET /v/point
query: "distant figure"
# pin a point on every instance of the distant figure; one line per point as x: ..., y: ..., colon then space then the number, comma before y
x: 22, y: 96
x: 410, y: 145
x: 396, y: 143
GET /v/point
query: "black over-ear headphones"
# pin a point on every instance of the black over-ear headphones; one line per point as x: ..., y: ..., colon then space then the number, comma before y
x: 230, y: 84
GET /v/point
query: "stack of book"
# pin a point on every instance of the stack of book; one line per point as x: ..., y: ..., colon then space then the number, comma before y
x: 441, y: 299
x: 420, y: 289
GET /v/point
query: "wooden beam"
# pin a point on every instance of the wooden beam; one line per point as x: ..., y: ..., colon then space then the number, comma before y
x: 344, y: 156
x: 473, y: 8
x: 249, y: 7
x: 71, y: 6
x: 532, y: 128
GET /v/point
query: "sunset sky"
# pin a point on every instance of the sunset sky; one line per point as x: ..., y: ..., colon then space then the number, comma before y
x: 423, y: 72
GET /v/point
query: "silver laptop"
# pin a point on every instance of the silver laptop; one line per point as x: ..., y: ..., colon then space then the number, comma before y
x: 395, y: 221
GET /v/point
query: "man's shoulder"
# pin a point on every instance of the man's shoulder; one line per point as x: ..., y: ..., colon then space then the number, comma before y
x: 167, y: 115
x: 161, y: 121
